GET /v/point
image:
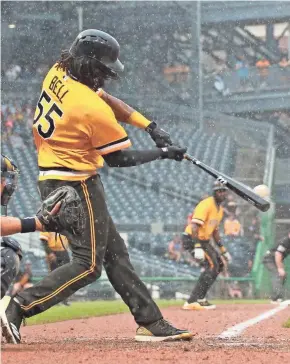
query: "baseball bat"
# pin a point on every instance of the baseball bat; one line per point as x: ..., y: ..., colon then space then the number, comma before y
x: 240, y: 189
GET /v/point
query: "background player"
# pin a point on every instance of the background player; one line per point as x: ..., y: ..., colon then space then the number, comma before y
x: 75, y: 131
x: 205, y: 225
x: 55, y: 247
x: 274, y: 262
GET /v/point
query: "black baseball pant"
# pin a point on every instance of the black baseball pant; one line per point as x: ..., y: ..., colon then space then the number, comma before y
x: 213, y: 266
x: 277, y: 282
x: 100, y: 244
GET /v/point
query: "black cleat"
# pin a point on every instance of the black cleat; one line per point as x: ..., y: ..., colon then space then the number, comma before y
x: 161, y: 330
x: 11, y: 321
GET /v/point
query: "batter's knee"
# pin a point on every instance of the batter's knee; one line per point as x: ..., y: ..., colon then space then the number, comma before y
x: 93, y: 271
x: 96, y: 273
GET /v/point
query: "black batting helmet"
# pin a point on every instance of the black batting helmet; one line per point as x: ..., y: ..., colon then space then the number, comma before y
x: 9, y: 242
x: 101, y: 47
x: 9, y: 179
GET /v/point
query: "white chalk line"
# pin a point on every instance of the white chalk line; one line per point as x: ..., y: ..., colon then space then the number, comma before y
x: 236, y: 330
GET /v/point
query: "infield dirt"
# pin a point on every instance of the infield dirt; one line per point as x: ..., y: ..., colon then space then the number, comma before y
x: 110, y: 339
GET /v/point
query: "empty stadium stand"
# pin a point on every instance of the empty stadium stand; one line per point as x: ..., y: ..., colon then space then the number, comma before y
x: 143, y: 198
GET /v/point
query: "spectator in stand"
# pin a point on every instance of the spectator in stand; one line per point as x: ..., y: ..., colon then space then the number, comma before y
x: 220, y: 85
x: 232, y: 226
x: 175, y: 248
x: 284, y: 65
x: 13, y: 72
x: 284, y: 62
x: 17, y: 141
x: 242, y: 69
x: 263, y: 68
x: 231, y: 206
x: 235, y: 290
x: 9, y: 126
x: 17, y: 120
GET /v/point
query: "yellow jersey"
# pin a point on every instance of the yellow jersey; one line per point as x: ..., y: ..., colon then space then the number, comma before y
x: 232, y: 227
x: 54, y: 242
x: 208, y: 215
x: 73, y: 128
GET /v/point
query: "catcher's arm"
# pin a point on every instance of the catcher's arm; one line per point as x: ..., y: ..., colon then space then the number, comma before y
x: 13, y: 225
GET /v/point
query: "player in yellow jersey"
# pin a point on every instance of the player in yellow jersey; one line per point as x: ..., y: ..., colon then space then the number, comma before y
x: 75, y: 130
x: 55, y: 247
x: 205, y: 222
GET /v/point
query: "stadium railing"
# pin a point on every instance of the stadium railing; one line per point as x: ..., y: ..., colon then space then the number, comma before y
x: 277, y: 78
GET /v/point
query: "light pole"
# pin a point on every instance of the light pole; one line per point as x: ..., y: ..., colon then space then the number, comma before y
x: 200, y: 71
x: 80, y: 17
x: 288, y: 41
x: 196, y: 87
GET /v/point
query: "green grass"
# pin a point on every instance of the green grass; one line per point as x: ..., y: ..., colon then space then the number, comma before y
x: 80, y: 310
x: 287, y: 324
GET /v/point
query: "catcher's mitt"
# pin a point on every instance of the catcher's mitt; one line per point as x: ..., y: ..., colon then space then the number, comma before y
x: 69, y: 218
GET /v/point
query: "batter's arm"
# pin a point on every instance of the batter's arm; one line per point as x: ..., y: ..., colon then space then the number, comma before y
x: 124, y: 112
x: 130, y: 158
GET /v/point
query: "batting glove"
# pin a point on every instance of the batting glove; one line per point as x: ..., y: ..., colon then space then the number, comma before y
x: 199, y: 254
x: 161, y: 137
x: 174, y: 152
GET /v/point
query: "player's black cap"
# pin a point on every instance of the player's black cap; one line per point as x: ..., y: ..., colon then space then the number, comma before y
x: 100, y: 46
x: 219, y: 186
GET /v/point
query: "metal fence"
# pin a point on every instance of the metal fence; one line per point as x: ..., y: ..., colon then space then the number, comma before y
x: 252, y: 80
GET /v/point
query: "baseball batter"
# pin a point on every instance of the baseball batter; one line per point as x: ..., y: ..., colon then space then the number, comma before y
x: 75, y: 130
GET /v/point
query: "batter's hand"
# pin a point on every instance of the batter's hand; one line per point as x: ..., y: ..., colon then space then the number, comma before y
x: 161, y: 137
x: 173, y: 152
